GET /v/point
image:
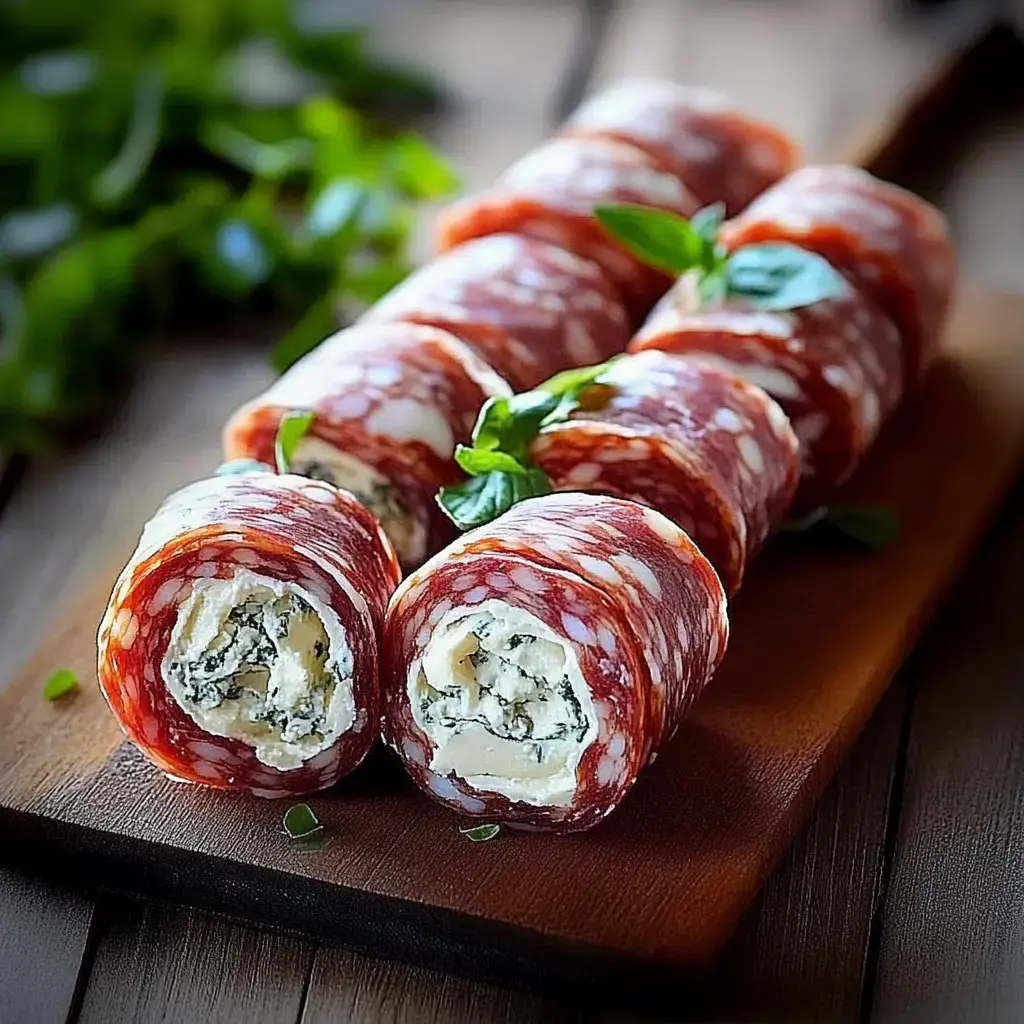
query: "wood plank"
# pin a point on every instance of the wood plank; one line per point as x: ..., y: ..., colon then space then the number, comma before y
x: 799, y: 953
x: 44, y: 950
x: 952, y: 945
x: 82, y: 508
x: 832, y: 72
x: 953, y: 940
x: 163, y: 964
x: 726, y: 798
x: 351, y: 987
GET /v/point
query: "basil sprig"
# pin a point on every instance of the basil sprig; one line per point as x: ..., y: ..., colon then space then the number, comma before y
x: 498, y: 461
x: 870, y: 526
x: 292, y: 429
x: 480, y: 833
x: 770, y: 276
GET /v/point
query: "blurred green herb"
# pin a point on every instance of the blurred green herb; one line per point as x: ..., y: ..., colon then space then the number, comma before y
x: 162, y: 160
x: 59, y: 684
x: 292, y: 429
x: 869, y: 526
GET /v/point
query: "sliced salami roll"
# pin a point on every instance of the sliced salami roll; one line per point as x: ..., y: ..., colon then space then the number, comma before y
x: 722, y: 154
x: 710, y: 451
x: 391, y: 403
x: 239, y: 647
x: 551, y: 194
x: 892, y: 244
x: 537, y: 665
x: 834, y: 366
x: 529, y: 308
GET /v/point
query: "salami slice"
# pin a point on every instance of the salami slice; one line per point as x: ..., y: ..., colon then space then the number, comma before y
x: 528, y: 308
x: 720, y: 153
x: 239, y: 647
x: 834, y: 366
x: 391, y: 402
x: 713, y: 453
x: 892, y: 244
x: 538, y: 664
x: 551, y: 194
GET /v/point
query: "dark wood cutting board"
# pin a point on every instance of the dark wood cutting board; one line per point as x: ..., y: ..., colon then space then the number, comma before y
x: 654, y: 892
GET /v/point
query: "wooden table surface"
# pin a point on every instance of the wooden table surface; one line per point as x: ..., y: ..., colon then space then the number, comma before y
x: 900, y: 901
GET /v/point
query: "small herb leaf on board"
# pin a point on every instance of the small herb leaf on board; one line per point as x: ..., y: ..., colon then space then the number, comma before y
x: 480, y: 833
x: 870, y: 526
x: 60, y: 683
x: 293, y: 428
x: 300, y: 822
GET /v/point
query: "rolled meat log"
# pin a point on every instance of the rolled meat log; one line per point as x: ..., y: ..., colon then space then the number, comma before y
x: 391, y: 401
x: 835, y: 367
x: 239, y: 647
x: 714, y: 454
x: 526, y: 307
x: 536, y: 666
x: 551, y: 194
x: 893, y: 245
x: 720, y: 153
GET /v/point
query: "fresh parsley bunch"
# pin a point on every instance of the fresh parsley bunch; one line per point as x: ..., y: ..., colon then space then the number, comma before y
x: 166, y: 159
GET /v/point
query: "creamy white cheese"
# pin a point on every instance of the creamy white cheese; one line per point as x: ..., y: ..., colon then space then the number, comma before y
x: 264, y: 662
x: 502, y: 698
x: 320, y: 460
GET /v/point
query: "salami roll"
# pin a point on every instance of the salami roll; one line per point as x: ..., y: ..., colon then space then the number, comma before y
x: 551, y: 194
x: 538, y: 664
x: 834, y: 366
x: 391, y: 402
x: 239, y: 647
x: 722, y: 154
x: 892, y: 244
x: 528, y: 308
x: 713, y: 453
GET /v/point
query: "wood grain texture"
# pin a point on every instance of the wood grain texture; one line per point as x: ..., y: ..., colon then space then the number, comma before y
x: 953, y: 939
x: 952, y: 944
x: 350, y: 987
x: 836, y: 74
x: 44, y: 940
x: 799, y: 953
x: 167, y: 965
x: 818, y: 634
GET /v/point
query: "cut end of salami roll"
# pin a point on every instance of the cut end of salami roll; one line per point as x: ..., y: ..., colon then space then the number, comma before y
x: 533, y: 669
x: 239, y: 647
x: 390, y: 403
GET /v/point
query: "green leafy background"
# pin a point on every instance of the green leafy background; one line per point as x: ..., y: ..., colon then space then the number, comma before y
x: 166, y: 160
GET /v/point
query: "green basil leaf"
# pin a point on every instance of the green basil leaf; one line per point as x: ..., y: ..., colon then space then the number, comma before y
x: 707, y: 221
x: 318, y: 322
x: 511, y: 424
x: 477, y: 461
x: 292, y: 429
x: 300, y: 821
x: 30, y: 234
x: 870, y: 526
x: 662, y: 239
x: 60, y: 683
x: 239, y: 467
x: 483, y: 498
x: 480, y: 833
x: 418, y: 169
x: 779, y: 276
x: 127, y: 169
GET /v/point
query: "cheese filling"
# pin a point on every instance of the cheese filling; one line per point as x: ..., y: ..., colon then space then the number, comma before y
x: 503, y: 700
x: 320, y: 460
x: 264, y: 662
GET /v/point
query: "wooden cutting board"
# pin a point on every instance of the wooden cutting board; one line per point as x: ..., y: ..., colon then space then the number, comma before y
x: 654, y: 892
